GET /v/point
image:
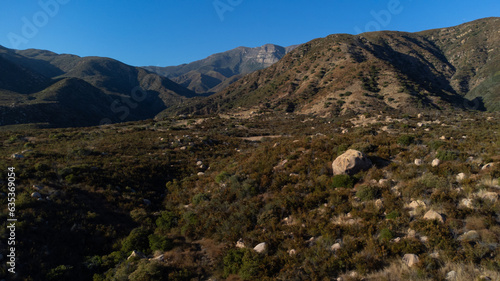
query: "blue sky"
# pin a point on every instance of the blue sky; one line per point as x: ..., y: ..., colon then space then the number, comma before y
x: 171, y: 32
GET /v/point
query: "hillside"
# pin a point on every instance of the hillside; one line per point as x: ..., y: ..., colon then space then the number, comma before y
x: 374, y: 71
x: 110, y: 90
x: 217, y: 71
x: 192, y: 199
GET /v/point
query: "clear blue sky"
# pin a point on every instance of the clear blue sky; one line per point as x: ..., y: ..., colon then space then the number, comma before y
x: 171, y: 32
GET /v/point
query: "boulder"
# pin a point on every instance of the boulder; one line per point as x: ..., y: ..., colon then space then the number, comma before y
x: 415, y: 204
x: 452, y: 275
x: 37, y: 187
x: 410, y: 259
x: 292, y: 252
x: 137, y: 254
x: 460, y: 177
x: 468, y: 203
x: 36, y: 195
x: 351, y: 162
x: 435, y: 162
x: 487, y: 166
x: 335, y: 247
x: 488, y: 195
x: 433, y: 215
x: 418, y: 162
x: 17, y: 156
x: 469, y: 236
x: 260, y: 248
x: 240, y: 244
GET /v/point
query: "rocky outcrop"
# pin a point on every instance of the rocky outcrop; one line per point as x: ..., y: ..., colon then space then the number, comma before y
x: 351, y: 162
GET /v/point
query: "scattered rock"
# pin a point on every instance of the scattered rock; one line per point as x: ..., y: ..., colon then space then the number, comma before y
x: 17, y: 156
x: 137, y: 254
x: 396, y: 240
x: 460, y: 177
x: 146, y: 202
x: 335, y: 247
x: 466, y: 202
x: 416, y: 203
x: 37, y: 187
x: 410, y: 259
x: 383, y: 182
x: 351, y: 162
x: 471, y: 235
x: 435, y: 162
x: 201, y: 174
x: 292, y: 252
x: 442, y: 138
x: 434, y: 255
x: 418, y: 162
x: 411, y: 233
x: 240, y: 244
x: 424, y: 239
x: 199, y: 163
x: 488, y: 195
x: 260, y: 248
x: 36, y: 195
x: 452, y: 275
x: 433, y: 215
x: 379, y: 203
x: 158, y: 258
x: 487, y: 166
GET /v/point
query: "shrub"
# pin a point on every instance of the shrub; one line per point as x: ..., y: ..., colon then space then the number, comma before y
x: 406, y: 140
x: 392, y: 215
x: 233, y: 261
x: 167, y: 220
x: 342, y: 181
x: 161, y: 243
x: 386, y: 234
x: 200, y: 197
x: 137, y: 240
x: 367, y: 192
x: 447, y: 155
x: 222, y: 177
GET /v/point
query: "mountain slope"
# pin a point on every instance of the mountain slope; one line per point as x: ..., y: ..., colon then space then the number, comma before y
x: 216, y: 71
x: 374, y: 71
x: 110, y: 90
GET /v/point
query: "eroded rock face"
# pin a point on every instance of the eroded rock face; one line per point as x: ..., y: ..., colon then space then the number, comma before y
x: 351, y: 162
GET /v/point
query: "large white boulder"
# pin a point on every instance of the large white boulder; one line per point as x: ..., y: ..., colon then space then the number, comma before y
x: 260, y: 248
x: 351, y: 162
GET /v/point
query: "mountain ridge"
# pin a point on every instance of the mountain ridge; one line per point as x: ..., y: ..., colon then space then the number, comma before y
x: 385, y: 70
x: 217, y: 71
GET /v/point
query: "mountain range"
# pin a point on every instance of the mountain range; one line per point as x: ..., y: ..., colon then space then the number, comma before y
x: 217, y: 71
x: 38, y: 86
x: 448, y: 68
x: 441, y: 69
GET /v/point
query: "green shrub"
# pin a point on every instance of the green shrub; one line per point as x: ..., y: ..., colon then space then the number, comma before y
x: 342, y: 181
x: 222, y: 177
x: 167, y: 220
x: 157, y: 242
x: 392, y: 215
x: 137, y: 240
x: 232, y: 261
x: 386, y: 234
x: 447, y: 155
x: 368, y: 192
x: 406, y: 140
x: 200, y: 197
